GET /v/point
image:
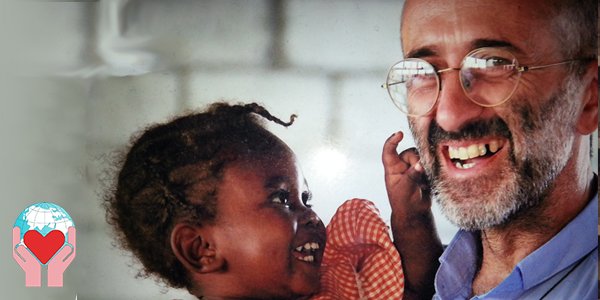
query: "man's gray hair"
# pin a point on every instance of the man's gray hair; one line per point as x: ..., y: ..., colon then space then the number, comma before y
x: 575, y: 23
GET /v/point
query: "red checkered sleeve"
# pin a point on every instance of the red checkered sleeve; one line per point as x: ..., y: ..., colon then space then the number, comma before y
x: 360, y: 260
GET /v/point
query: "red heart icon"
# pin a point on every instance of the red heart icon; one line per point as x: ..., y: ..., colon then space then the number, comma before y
x: 44, y: 247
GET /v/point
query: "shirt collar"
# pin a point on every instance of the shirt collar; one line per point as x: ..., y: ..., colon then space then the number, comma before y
x: 573, y: 242
x: 457, y: 266
x: 459, y: 261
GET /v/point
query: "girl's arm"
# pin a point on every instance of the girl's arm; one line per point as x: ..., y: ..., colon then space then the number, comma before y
x: 413, y: 226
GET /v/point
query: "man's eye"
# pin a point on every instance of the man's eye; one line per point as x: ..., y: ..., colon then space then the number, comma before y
x: 498, y: 61
x: 281, y: 197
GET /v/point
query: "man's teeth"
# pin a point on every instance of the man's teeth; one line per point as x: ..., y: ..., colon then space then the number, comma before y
x: 494, y: 146
x: 461, y: 154
x: 464, y: 166
x: 473, y: 151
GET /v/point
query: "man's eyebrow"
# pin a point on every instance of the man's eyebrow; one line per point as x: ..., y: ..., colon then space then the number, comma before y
x: 492, y: 43
x: 428, y: 51
x: 421, y: 52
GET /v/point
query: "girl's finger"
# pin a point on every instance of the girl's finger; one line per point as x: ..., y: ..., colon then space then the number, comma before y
x: 410, y: 156
x: 389, y: 154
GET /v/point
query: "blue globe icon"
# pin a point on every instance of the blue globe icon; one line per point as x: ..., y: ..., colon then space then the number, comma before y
x: 44, y: 217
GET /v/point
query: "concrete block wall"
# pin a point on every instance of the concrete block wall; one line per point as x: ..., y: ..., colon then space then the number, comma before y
x: 95, y: 81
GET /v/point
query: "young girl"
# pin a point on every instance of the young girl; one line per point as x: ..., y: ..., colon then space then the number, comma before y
x: 215, y: 203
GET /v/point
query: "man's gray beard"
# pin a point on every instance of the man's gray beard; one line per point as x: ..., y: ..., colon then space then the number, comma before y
x: 495, y: 200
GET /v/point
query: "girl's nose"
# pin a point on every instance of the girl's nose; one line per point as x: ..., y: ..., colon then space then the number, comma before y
x: 310, y: 218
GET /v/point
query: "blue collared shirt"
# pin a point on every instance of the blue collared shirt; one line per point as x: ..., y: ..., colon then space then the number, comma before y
x: 537, y: 273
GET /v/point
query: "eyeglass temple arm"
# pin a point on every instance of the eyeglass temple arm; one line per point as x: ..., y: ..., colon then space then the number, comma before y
x: 529, y: 68
x: 386, y: 85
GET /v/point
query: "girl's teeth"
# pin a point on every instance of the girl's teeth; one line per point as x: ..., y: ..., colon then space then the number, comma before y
x: 308, y: 258
x: 308, y: 246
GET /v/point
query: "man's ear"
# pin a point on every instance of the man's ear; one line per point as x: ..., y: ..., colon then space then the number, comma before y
x: 194, y: 248
x: 588, y: 120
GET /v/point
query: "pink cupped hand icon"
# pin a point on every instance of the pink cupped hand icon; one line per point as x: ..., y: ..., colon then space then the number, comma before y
x: 56, y: 266
x: 26, y: 260
x: 62, y: 259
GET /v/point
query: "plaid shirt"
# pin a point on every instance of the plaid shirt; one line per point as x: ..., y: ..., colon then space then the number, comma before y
x: 360, y: 260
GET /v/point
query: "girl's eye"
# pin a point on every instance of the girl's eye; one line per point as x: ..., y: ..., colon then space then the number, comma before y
x: 281, y: 197
x: 306, y: 197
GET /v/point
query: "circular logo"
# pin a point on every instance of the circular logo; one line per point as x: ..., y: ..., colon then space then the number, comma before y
x: 44, y: 229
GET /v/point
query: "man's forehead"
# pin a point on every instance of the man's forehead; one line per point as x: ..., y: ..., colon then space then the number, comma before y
x: 458, y: 9
x: 463, y: 22
x: 497, y: 4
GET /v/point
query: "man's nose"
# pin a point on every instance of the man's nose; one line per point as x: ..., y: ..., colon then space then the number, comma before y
x: 454, y: 109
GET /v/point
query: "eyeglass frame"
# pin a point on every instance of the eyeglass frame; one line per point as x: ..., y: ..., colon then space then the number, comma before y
x: 520, y: 69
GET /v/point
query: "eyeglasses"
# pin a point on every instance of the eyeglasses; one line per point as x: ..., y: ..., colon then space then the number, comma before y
x: 488, y: 76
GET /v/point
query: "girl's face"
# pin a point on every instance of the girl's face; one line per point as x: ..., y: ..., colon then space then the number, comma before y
x: 270, y: 238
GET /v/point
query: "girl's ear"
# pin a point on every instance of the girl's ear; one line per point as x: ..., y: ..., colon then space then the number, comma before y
x: 588, y: 120
x: 193, y: 247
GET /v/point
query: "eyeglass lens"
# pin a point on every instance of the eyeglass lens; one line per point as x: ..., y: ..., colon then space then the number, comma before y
x: 488, y: 77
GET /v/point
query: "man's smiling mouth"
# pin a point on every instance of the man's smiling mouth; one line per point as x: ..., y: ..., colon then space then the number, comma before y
x: 477, y: 143
x: 467, y: 156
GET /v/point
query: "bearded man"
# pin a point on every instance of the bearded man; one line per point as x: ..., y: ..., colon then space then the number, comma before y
x: 502, y: 99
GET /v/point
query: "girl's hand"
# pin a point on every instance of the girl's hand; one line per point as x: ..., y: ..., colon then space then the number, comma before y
x: 405, y: 180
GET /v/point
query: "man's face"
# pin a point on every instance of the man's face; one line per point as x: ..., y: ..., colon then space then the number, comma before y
x: 513, y: 151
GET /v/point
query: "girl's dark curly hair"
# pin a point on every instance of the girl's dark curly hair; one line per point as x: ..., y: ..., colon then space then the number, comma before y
x: 171, y: 174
